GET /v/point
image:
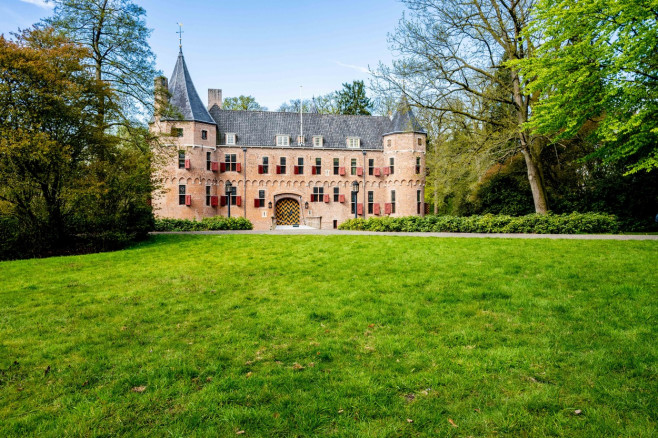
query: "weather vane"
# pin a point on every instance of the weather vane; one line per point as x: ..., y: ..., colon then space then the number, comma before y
x: 180, y: 36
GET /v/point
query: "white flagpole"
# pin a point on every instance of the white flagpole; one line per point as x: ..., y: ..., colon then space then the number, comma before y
x: 301, y: 117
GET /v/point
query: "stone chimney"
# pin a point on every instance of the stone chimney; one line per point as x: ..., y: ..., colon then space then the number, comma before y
x: 214, y: 98
x: 161, y: 97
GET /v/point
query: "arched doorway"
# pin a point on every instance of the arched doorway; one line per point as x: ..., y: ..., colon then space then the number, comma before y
x: 287, y: 212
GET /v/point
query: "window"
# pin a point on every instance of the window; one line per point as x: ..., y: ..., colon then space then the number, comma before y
x: 353, y: 142
x: 181, y: 159
x: 419, y: 204
x: 300, y: 165
x: 266, y: 165
x: 336, y: 194
x: 391, y: 165
x: 300, y: 140
x: 417, y: 165
x: 392, y: 201
x: 420, y: 141
x: 371, y: 166
x: 282, y: 165
x: 261, y: 199
x: 204, y: 135
x: 208, y: 195
x: 230, y: 160
x: 353, y: 166
x: 354, y: 201
x: 282, y: 140
x: 318, y: 166
x: 317, y: 141
x: 208, y: 160
x: 177, y: 132
x: 371, y: 201
x: 388, y: 143
x: 230, y: 138
x: 318, y: 194
x: 181, y: 195
x: 336, y: 166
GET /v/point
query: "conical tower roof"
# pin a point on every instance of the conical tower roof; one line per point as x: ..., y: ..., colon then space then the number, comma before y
x: 404, y: 119
x: 184, y: 96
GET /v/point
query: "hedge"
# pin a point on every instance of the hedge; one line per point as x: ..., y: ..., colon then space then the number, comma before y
x: 574, y: 223
x: 206, y: 224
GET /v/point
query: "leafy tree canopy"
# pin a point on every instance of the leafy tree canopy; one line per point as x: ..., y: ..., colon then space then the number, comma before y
x: 242, y: 103
x: 598, y: 65
x: 352, y: 99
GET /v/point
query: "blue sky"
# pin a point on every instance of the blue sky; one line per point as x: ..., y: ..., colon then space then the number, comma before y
x: 266, y: 49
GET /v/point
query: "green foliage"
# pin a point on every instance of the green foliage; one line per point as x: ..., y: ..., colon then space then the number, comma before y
x: 332, y: 336
x: 352, y: 99
x: 598, y: 67
x: 62, y: 175
x: 116, y: 36
x: 206, y: 224
x: 242, y: 103
x: 574, y: 223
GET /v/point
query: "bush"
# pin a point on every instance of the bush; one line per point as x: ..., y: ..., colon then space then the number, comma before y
x: 206, y: 224
x: 574, y: 223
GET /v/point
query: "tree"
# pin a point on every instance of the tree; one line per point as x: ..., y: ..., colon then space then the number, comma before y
x: 292, y: 106
x: 352, y: 99
x: 242, y: 103
x: 599, y: 64
x: 61, y: 174
x: 116, y: 35
x: 451, y: 60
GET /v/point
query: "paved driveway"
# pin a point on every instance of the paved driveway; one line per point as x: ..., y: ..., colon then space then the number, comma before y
x: 293, y: 231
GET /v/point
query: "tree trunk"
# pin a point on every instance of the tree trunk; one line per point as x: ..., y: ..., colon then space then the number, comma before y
x: 536, y: 183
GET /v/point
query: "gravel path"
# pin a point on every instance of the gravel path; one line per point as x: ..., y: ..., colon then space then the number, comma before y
x: 467, y: 235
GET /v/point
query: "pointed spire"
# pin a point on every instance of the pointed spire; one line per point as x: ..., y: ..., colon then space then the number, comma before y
x: 404, y: 119
x: 184, y: 96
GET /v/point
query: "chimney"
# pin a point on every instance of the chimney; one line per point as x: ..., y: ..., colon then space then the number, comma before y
x: 214, y: 98
x: 161, y: 91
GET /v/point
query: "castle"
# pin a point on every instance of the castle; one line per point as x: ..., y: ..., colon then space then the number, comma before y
x: 278, y: 169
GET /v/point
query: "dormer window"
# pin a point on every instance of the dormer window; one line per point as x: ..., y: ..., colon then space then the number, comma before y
x: 282, y: 140
x: 230, y: 138
x: 317, y: 141
x: 300, y: 140
x: 353, y: 142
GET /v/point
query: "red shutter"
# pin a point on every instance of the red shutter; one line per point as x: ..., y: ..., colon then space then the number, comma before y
x: 326, y: 198
x: 188, y: 200
x: 377, y: 171
x: 341, y: 198
x: 341, y: 171
x: 238, y: 167
x: 296, y: 170
x: 238, y: 201
x: 387, y: 170
x: 359, y: 209
x: 359, y: 171
x: 222, y: 167
x: 260, y: 169
x: 187, y: 164
x: 213, y: 201
x: 214, y: 166
x: 313, y: 170
x: 278, y: 169
x: 387, y: 208
x: 223, y: 200
x: 377, y: 209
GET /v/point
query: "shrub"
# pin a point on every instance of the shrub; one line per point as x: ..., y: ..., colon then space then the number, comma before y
x: 574, y: 223
x: 206, y: 224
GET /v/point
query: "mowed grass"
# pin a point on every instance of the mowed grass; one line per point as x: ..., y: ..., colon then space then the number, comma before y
x: 333, y: 336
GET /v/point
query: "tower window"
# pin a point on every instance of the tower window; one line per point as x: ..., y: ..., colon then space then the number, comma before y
x: 204, y: 135
x: 181, y: 159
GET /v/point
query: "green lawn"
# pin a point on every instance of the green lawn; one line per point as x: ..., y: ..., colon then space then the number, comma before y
x: 333, y: 335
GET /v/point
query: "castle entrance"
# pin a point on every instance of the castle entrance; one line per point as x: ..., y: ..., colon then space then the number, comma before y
x: 287, y: 212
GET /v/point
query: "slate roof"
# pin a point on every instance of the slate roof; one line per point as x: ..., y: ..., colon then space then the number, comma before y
x: 259, y: 128
x: 184, y: 96
x: 404, y: 119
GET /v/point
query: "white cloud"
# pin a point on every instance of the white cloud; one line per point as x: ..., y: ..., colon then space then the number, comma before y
x: 354, y: 67
x: 41, y: 3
